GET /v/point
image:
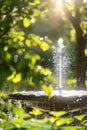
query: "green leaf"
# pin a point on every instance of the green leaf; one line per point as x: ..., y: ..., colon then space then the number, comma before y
x: 11, y: 76
x: 37, y: 1
x: 26, y: 22
x: 7, y: 125
x: 17, y: 78
x: 80, y: 118
x: 18, y: 111
x: 3, y: 116
x: 16, y: 120
x: 48, y: 89
x: 63, y: 121
x: 84, y: 123
x: 45, y: 71
x: 58, y: 114
x: 44, y: 46
x: 36, y: 12
x: 28, y: 42
x: 36, y: 112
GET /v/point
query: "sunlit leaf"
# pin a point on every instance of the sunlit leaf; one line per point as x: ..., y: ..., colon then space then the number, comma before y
x: 70, y: 6
x: 28, y: 43
x: 52, y: 119
x: 58, y: 114
x: 84, y: 123
x: 3, y: 94
x: 80, y: 117
x: 30, y: 81
x: 16, y: 120
x: 72, y: 32
x: 85, y: 51
x: 21, y: 38
x: 45, y: 71
x: 37, y: 1
x: 8, y: 56
x: 84, y: 27
x: 36, y: 12
x: 7, y: 125
x: 48, y: 89
x: 71, y: 81
x: 63, y: 121
x: 44, y: 46
x: 11, y: 76
x: 36, y: 112
x: 26, y: 22
x: 32, y: 57
x: 17, y: 78
x: 18, y: 111
x: 6, y: 48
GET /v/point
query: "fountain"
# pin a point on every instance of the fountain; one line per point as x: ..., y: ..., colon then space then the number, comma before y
x: 60, y: 64
x: 61, y: 99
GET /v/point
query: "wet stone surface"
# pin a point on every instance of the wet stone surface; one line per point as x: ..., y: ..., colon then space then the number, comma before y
x: 67, y: 100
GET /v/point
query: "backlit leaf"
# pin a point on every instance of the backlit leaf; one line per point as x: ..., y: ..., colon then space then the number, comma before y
x: 17, y: 78
x: 36, y: 112
x: 80, y: 117
x: 18, y: 111
x: 85, y: 51
x: 58, y: 114
x: 11, y: 76
x: 71, y: 81
x: 72, y: 33
x: 84, y: 123
x: 8, y: 56
x: 48, y: 89
x: 26, y: 22
x: 44, y: 46
x: 7, y: 125
x: 63, y: 121
x: 16, y: 120
x: 45, y: 71
x: 28, y: 43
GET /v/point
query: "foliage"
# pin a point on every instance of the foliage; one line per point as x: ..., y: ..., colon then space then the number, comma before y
x: 20, y: 59
x: 13, y: 117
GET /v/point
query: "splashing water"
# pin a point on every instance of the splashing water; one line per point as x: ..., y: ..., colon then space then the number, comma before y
x: 60, y: 64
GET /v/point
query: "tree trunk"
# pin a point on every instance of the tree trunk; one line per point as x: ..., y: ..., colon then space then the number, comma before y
x: 80, y: 67
x: 80, y: 40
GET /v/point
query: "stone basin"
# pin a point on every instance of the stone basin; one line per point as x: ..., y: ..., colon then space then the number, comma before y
x: 66, y: 100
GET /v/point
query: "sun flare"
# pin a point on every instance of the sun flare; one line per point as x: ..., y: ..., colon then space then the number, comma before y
x: 59, y: 3
x: 68, y: 1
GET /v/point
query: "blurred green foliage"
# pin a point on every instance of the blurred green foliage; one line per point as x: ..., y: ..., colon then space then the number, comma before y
x: 20, y: 49
x: 13, y: 117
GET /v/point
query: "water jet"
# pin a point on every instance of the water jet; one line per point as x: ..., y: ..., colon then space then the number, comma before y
x: 60, y: 64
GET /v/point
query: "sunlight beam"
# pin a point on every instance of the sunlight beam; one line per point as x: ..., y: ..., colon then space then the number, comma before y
x: 68, y: 1
x: 59, y: 3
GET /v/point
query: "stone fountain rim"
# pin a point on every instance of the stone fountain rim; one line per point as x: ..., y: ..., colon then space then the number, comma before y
x: 41, y: 98
x: 63, y: 93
